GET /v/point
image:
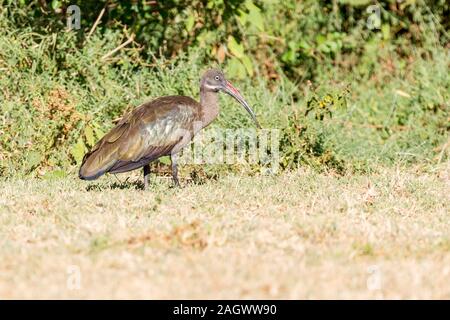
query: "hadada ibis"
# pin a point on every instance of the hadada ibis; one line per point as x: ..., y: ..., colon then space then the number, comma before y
x: 158, y: 128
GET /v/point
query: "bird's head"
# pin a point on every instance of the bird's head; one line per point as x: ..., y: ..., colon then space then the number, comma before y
x: 214, y: 80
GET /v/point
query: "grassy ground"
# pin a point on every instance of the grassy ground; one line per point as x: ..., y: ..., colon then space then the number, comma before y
x: 368, y: 106
x: 296, y: 235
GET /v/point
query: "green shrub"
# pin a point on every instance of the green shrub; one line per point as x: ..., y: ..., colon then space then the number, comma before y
x: 60, y: 91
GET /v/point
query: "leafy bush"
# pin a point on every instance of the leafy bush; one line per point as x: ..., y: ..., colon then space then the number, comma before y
x: 303, y: 140
x: 60, y: 91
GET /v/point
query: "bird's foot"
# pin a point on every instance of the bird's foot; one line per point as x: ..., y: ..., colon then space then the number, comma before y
x: 146, y: 176
x: 176, y: 183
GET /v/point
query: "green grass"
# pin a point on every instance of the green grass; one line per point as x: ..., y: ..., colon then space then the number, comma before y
x: 45, y: 113
x: 59, y: 96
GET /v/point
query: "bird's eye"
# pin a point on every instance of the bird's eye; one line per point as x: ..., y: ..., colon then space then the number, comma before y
x: 217, y: 78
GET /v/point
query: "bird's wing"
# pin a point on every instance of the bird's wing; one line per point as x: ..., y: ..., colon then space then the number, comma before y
x: 152, y: 130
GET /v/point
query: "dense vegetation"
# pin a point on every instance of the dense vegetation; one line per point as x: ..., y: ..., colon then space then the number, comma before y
x: 347, y: 88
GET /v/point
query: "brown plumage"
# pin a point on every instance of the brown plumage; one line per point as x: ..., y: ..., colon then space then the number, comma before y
x: 141, y: 136
x: 157, y: 128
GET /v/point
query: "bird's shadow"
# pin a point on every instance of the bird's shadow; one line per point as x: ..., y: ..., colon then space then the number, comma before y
x: 200, y: 178
x: 137, y: 185
x: 195, y: 178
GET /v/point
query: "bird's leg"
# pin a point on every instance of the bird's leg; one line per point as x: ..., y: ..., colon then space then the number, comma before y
x: 146, y: 175
x: 173, y: 159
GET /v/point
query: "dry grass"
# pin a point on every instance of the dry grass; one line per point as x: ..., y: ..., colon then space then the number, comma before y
x: 297, y: 235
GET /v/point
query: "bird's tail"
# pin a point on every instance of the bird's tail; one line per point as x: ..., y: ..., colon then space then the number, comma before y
x: 104, y: 155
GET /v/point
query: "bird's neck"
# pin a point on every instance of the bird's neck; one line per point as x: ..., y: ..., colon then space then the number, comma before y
x: 209, y: 101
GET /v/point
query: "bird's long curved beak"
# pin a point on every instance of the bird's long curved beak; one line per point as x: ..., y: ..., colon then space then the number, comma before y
x: 232, y: 91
